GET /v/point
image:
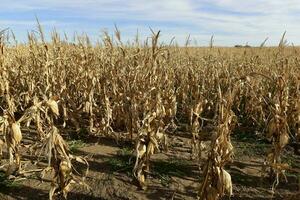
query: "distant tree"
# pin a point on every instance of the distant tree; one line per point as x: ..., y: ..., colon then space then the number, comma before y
x: 238, y: 46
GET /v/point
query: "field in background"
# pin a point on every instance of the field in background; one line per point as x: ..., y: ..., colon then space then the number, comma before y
x: 148, y: 121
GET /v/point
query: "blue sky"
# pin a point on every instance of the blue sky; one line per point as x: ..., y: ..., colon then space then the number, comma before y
x: 230, y: 21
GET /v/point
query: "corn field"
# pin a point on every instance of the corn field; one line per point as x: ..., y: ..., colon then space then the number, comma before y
x: 143, y: 92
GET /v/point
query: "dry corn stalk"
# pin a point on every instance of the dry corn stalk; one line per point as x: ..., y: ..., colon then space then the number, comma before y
x: 59, y: 161
x: 38, y: 113
x: 195, y: 129
x: 148, y: 141
x: 13, y: 137
x: 217, y: 181
x: 146, y: 145
x: 278, y: 130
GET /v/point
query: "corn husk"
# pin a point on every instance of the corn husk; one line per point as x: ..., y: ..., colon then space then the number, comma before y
x: 16, y: 133
x: 284, y: 139
x: 52, y: 104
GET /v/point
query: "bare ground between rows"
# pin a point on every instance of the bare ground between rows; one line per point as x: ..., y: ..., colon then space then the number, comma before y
x: 173, y: 174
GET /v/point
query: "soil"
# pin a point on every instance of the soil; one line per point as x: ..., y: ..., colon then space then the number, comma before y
x: 173, y: 174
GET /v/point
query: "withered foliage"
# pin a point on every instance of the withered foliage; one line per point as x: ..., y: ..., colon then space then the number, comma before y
x: 141, y: 92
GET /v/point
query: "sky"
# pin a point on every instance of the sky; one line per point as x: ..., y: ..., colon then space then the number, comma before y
x: 230, y: 21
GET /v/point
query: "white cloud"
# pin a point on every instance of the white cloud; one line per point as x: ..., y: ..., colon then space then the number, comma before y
x: 232, y: 21
x: 28, y: 23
